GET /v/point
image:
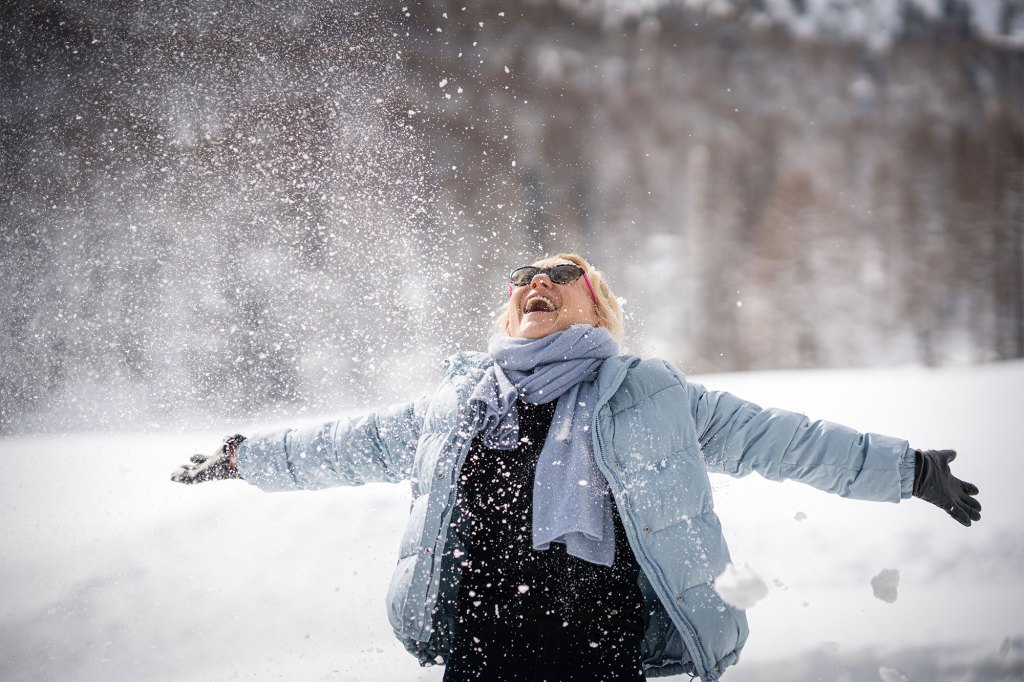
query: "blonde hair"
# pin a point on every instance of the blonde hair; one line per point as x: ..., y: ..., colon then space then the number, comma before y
x: 609, y: 314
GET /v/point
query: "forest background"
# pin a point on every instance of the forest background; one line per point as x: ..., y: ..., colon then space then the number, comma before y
x: 215, y: 211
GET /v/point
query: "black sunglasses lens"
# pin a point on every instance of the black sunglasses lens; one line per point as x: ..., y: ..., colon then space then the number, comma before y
x: 522, y: 276
x: 563, y: 274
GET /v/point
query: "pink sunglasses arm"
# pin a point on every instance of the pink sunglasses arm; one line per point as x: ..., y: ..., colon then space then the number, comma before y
x: 592, y: 294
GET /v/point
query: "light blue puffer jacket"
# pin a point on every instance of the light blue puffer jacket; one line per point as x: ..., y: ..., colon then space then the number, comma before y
x: 656, y: 436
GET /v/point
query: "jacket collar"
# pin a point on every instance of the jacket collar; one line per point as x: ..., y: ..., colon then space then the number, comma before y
x: 613, y: 373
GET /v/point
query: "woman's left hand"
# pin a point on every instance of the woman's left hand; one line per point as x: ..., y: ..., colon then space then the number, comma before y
x: 933, y: 482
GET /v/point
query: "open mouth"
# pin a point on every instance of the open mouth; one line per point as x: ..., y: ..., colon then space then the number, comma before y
x: 539, y: 304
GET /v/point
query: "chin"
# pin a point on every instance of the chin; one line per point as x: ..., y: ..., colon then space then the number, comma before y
x: 537, y: 331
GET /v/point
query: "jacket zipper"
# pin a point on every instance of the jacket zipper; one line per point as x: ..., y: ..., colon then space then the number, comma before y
x: 439, y: 541
x: 657, y: 581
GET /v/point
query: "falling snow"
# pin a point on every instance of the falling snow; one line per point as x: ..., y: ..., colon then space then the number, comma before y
x: 885, y: 584
x: 220, y: 216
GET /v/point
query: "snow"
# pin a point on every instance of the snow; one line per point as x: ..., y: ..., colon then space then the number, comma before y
x: 110, y: 571
x: 885, y: 584
x: 891, y: 675
x: 740, y: 586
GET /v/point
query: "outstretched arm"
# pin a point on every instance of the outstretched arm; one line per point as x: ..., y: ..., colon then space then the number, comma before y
x: 738, y: 437
x: 379, y: 446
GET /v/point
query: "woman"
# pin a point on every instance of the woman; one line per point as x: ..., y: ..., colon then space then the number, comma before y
x: 562, y: 524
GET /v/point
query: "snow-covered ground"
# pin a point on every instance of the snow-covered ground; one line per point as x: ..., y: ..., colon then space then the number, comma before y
x: 110, y: 571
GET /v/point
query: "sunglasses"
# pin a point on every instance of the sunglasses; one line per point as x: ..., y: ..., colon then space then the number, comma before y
x: 563, y: 273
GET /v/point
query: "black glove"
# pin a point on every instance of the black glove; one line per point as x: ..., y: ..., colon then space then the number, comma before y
x: 220, y: 465
x: 934, y: 483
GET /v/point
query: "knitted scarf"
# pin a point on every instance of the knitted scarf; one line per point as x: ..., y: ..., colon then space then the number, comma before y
x: 571, y: 503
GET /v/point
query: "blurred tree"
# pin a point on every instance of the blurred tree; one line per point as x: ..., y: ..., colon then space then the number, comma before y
x: 215, y: 208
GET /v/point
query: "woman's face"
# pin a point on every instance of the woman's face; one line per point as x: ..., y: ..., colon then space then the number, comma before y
x: 563, y: 305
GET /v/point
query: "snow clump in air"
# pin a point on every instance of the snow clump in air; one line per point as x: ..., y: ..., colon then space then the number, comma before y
x: 885, y: 583
x: 740, y: 586
x: 891, y: 675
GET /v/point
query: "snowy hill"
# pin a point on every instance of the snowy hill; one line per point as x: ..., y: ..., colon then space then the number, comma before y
x: 109, y: 571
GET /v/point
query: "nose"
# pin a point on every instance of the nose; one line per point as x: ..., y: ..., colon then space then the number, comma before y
x: 541, y: 279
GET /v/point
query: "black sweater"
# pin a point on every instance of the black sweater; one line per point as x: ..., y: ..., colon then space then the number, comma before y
x: 503, y: 577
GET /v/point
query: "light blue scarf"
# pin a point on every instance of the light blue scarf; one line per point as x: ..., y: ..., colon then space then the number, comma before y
x: 571, y: 501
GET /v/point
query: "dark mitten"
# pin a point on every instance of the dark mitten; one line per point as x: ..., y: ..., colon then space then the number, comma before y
x: 220, y: 465
x: 934, y: 483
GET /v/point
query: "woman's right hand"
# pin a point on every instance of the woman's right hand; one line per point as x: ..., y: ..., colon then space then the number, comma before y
x: 222, y: 464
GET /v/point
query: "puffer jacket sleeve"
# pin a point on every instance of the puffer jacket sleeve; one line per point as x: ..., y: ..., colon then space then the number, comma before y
x: 379, y: 446
x: 738, y: 437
